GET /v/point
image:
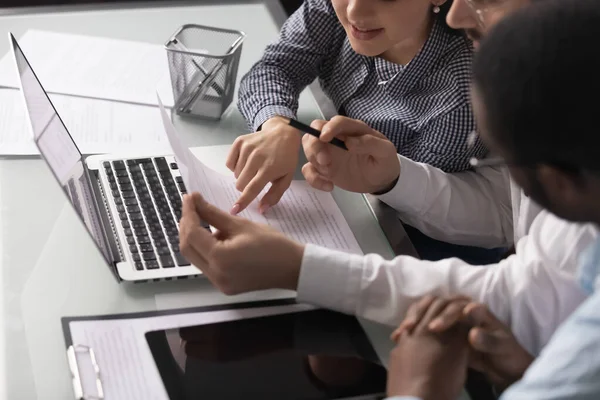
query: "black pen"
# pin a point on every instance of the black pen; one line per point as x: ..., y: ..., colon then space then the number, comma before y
x: 312, y: 131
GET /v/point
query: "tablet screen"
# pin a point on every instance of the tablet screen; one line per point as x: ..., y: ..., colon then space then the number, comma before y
x: 315, y: 354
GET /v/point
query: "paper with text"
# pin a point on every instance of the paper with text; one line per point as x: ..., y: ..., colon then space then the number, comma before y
x: 126, y: 365
x: 97, y: 126
x: 93, y: 67
x: 303, y: 213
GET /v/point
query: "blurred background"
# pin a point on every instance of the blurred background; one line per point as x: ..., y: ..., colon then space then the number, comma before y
x: 289, y: 5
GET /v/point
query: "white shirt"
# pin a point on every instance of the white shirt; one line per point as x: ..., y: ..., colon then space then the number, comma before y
x: 532, y: 291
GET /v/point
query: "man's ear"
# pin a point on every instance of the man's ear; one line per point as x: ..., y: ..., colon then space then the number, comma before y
x: 561, y: 185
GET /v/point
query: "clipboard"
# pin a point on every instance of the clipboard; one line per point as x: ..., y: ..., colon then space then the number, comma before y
x: 86, y: 373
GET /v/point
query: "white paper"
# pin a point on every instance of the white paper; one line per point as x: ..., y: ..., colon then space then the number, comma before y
x: 94, y: 67
x: 15, y: 134
x: 303, y: 213
x: 97, y: 126
x: 126, y: 365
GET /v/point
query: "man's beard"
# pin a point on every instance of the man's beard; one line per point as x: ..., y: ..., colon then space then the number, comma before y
x: 536, y: 191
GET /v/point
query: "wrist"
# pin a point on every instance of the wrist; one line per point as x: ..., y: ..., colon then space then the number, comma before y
x: 295, y: 255
x: 396, y: 170
x: 387, y: 187
x: 278, y: 129
x: 274, y: 122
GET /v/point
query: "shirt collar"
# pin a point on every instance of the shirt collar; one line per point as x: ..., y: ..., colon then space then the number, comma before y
x: 425, y: 60
x: 406, y: 77
x: 386, y: 70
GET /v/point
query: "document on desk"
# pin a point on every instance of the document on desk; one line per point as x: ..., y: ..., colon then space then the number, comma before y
x: 94, y: 67
x: 303, y: 213
x: 126, y: 367
x: 98, y: 126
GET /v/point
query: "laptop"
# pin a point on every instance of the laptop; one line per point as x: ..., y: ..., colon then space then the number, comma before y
x: 130, y: 206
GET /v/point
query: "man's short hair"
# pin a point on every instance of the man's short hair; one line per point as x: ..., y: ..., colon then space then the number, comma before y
x: 538, y: 74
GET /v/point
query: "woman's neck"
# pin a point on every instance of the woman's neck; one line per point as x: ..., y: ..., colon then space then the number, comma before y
x: 403, y: 52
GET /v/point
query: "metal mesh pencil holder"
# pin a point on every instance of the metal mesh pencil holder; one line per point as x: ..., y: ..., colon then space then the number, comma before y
x: 203, y: 65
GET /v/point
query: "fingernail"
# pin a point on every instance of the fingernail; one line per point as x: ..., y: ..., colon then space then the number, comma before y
x: 264, y: 208
x: 328, y: 187
x: 408, y: 323
x: 433, y: 325
x: 321, y: 159
x: 480, y: 339
x: 235, y: 209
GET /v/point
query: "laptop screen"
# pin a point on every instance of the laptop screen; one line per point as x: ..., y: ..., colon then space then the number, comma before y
x: 60, y: 151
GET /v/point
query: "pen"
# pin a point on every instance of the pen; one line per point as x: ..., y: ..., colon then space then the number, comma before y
x: 311, y: 131
x: 180, y: 47
x: 209, y: 80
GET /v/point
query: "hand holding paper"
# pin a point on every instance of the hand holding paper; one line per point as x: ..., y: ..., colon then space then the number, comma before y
x: 304, y: 214
x: 242, y: 256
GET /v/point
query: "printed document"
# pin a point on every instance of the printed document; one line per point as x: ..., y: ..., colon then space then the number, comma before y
x: 93, y: 67
x: 127, y: 368
x: 303, y: 213
x: 97, y: 126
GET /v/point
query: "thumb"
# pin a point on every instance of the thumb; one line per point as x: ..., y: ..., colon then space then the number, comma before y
x: 480, y: 362
x: 370, y: 145
x: 220, y: 219
x: 318, y: 124
x: 479, y: 315
x: 489, y: 334
x: 490, y: 341
x: 343, y: 127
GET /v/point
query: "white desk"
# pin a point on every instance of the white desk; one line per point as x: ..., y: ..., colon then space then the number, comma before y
x: 44, y: 277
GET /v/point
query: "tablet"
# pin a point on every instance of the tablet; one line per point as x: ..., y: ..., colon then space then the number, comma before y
x: 311, y: 354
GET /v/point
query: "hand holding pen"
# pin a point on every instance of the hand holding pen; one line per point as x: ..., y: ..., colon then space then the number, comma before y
x: 368, y: 164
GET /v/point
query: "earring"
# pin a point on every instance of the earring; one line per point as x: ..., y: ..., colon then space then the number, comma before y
x: 436, y: 9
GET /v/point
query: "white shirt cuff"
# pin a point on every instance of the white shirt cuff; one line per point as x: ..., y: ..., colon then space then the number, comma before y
x: 330, y: 279
x: 408, y: 195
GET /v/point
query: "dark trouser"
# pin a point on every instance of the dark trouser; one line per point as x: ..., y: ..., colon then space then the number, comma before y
x: 434, y: 250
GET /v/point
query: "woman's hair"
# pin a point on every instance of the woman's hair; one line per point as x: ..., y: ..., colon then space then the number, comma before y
x: 537, y: 74
x: 444, y: 9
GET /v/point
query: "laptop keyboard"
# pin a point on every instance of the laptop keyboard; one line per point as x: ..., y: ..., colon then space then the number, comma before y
x: 148, y: 200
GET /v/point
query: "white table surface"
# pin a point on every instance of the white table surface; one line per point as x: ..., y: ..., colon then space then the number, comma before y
x: 49, y: 267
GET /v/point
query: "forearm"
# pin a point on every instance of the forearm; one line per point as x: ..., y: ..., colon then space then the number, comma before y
x: 377, y: 289
x: 265, y: 93
x: 468, y: 208
x: 273, y: 85
x: 532, y: 292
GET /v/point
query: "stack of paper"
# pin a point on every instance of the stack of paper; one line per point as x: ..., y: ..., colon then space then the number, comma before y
x: 104, y: 89
x: 94, y: 67
x: 97, y: 126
